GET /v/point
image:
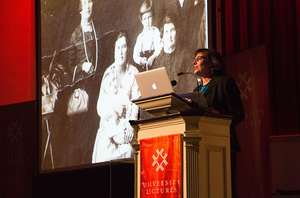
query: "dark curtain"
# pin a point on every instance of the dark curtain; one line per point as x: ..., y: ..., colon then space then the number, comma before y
x: 253, y: 173
x: 275, y: 23
x: 282, y: 38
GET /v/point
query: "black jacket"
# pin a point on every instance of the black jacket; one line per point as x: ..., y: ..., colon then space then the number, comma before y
x: 223, y: 95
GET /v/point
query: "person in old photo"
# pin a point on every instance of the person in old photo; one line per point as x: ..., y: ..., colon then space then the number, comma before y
x: 148, y: 44
x: 118, y: 88
x: 172, y: 57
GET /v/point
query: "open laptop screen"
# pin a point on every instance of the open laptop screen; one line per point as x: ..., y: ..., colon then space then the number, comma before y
x: 154, y: 82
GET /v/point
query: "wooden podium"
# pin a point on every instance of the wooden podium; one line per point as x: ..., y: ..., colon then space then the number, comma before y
x: 206, y: 171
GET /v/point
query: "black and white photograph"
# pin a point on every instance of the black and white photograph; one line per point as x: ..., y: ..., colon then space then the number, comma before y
x: 90, y: 51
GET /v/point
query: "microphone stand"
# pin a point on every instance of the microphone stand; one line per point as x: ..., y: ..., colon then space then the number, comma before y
x: 182, y: 73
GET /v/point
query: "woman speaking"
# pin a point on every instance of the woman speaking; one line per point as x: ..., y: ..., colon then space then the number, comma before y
x: 222, y: 96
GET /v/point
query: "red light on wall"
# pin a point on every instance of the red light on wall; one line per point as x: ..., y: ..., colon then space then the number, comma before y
x: 17, y: 52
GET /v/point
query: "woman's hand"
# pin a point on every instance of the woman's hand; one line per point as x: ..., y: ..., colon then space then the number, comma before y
x: 119, y: 138
x: 125, y: 137
x: 87, y: 67
x: 211, y: 110
x: 129, y: 132
x: 143, y: 62
x: 151, y: 60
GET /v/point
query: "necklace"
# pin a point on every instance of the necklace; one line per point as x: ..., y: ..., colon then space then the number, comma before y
x: 89, y: 22
x: 204, y: 87
x: 84, y: 43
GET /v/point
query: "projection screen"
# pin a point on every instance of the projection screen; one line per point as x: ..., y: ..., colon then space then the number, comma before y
x: 90, y: 51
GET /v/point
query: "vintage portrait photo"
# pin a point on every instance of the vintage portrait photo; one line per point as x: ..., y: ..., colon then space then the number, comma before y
x: 90, y: 51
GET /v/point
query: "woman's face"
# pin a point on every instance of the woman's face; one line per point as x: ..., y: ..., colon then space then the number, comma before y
x: 169, y: 36
x: 121, y: 51
x: 87, y: 7
x: 147, y: 20
x: 202, y: 65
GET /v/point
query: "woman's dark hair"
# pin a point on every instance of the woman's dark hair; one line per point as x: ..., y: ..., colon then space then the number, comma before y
x: 147, y: 6
x: 80, y: 5
x: 215, y: 58
x: 122, y: 33
x: 171, y: 18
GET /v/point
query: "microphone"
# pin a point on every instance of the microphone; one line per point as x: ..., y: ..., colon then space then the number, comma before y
x: 182, y: 73
x: 173, y: 83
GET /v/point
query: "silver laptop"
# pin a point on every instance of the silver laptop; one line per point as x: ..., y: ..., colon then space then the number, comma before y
x: 154, y: 82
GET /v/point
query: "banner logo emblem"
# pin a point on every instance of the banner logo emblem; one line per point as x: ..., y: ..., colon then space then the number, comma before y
x: 164, y: 161
x: 14, y: 131
x: 247, y: 82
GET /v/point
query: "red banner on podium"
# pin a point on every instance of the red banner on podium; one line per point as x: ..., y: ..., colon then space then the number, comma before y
x: 160, y: 167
